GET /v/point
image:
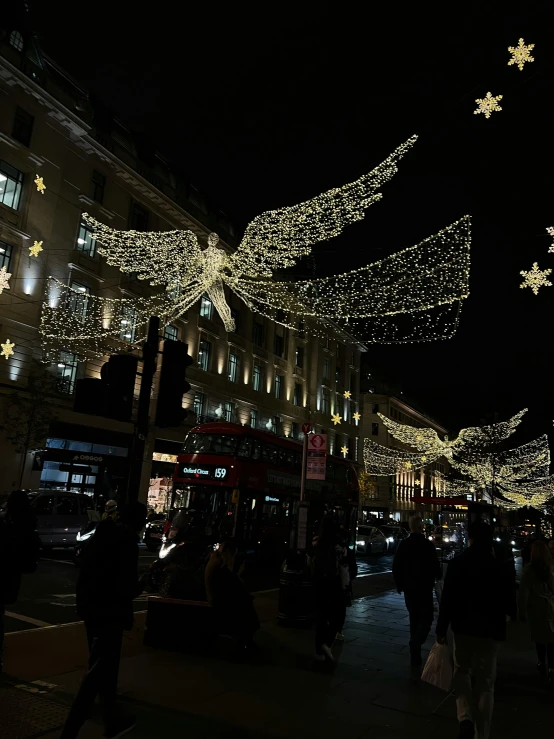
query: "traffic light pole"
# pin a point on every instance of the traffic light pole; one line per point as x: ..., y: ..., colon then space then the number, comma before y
x: 149, y: 353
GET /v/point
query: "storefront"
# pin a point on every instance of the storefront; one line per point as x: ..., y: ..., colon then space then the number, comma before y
x: 160, y: 488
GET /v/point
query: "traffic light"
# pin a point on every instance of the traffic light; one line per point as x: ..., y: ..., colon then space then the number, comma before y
x: 112, y: 395
x: 173, y: 384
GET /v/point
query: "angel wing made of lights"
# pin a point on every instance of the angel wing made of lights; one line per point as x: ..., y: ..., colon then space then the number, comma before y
x: 425, y: 283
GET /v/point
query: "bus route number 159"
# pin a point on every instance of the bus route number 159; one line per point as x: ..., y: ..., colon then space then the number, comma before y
x: 220, y: 473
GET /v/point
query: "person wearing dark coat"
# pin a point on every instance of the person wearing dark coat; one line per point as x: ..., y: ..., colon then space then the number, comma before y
x: 536, y: 605
x: 106, y: 587
x: 18, y: 541
x: 477, y: 596
x: 415, y: 570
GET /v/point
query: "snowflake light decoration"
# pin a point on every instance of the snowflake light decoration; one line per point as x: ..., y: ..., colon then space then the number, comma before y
x: 377, y: 303
x: 39, y: 182
x: 520, y: 54
x: 35, y: 249
x: 344, y: 450
x: 550, y: 230
x: 7, y: 349
x: 347, y: 394
x: 488, y: 105
x: 536, y: 278
x: 4, y: 279
x: 335, y: 418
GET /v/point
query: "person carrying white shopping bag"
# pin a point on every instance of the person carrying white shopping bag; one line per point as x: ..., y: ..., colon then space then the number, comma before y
x: 477, y: 595
x: 438, y: 668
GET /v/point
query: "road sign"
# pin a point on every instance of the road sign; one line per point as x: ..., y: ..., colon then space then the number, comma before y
x: 306, y: 427
x: 317, y: 443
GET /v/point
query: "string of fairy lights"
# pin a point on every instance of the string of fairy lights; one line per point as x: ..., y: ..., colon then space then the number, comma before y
x: 432, y: 275
x: 521, y: 474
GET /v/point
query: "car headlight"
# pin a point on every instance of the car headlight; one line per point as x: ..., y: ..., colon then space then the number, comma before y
x: 445, y: 539
x: 513, y: 543
x: 390, y: 539
x: 164, y: 551
x: 431, y: 538
x: 497, y: 538
x: 360, y: 543
x: 87, y: 535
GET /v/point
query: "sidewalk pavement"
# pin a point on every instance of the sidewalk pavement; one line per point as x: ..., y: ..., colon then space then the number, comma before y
x: 369, y: 692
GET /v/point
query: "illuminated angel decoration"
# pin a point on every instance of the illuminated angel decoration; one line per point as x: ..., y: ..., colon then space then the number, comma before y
x: 424, y: 284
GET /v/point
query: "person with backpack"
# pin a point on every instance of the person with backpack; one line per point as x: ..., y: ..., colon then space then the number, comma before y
x: 329, y: 592
x: 19, y: 552
x: 536, y: 606
x: 415, y: 570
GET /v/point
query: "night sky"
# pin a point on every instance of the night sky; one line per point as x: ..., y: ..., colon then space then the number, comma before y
x: 262, y: 111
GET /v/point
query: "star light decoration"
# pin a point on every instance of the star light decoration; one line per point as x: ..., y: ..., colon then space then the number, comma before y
x: 39, y: 182
x: 347, y: 394
x: 7, y: 349
x: 4, y: 279
x: 356, y: 416
x: 488, y: 105
x: 35, y: 249
x: 335, y: 418
x: 520, y: 54
x: 344, y: 450
x: 413, y: 295
x: 536, y: 278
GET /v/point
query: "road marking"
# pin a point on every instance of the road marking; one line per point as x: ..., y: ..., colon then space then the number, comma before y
x: 27, y: 619
x: 372, y: 574
x: 58, y: 561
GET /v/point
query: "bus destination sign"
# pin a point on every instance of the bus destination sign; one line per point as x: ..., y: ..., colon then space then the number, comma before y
x: 201, y: 472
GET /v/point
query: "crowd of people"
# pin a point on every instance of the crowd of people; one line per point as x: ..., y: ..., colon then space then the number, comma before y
x: 477, y: 597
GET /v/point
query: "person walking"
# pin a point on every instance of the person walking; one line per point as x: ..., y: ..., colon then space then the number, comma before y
x: 19, y: 552
x: 536, y: 605
x: 415, y: 570
x: 329, y: 593
x: 477, y: 596
x: 106, y: 587
x: 110, y: 511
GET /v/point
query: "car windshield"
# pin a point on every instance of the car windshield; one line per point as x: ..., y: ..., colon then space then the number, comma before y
x: 364, y: 531
x: 390, y: 530
x: 199, y: 443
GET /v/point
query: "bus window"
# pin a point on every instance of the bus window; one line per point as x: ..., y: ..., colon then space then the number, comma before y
x: 282, y: 456
x: 245, y: 447
x: 298, y: 460
x: 269, y: 453
x: 290, y: 459
x: 199, y: 443
x: 256, y: 448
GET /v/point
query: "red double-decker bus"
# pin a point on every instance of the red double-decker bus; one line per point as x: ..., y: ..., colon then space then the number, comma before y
x: 246, y: 483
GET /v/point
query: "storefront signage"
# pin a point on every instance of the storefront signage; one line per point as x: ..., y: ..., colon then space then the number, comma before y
x: 271, y: 499
x: 87, y: 458
x: 202, y: 472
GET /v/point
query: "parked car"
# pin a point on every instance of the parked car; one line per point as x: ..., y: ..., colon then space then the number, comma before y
x: 370, y: 540
x: 154, y: 532
x: 60, y: 517
x: 393, y: 535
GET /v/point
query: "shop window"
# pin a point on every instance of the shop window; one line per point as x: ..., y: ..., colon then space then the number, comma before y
x: 5, y: 255
x: 11, y: 184
x: 198, y: 404
x: 78, y: 300
x: 66, y: 372
x: 85, y: 242
x: 206, y: 307
x: 22, y: 126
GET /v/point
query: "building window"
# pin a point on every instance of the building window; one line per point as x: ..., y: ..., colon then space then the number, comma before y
x: 299, y: 357
x: 375, y: 429
x: 337, y: 374
x: 326, y: 369
x: 278, y: 386
x: 339, y: 405
x: 139, y: 218
x: 279, y: 348
x: 198, y: 404
x: 325, y: 400
x: 22, y: 126
x: 257, y: 376
x: 375, y: 408
x: 16, y: 40
x: 258, y: 333
x: 5, y: 255
x: 301, y: 330
x: 253, y: 418
x: 234, y: 366
x: 206, y: 307
x: 98, y: 187
x: 170, y: 332
x: 295, y: 430
x: 66, y: 372
x: 204, y: 354
x: 297, y: 394
x: 11, y: 183
x: 85, y: 242
x: 228, y: 411
x: 78, y: 300
x: 128, y: 323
